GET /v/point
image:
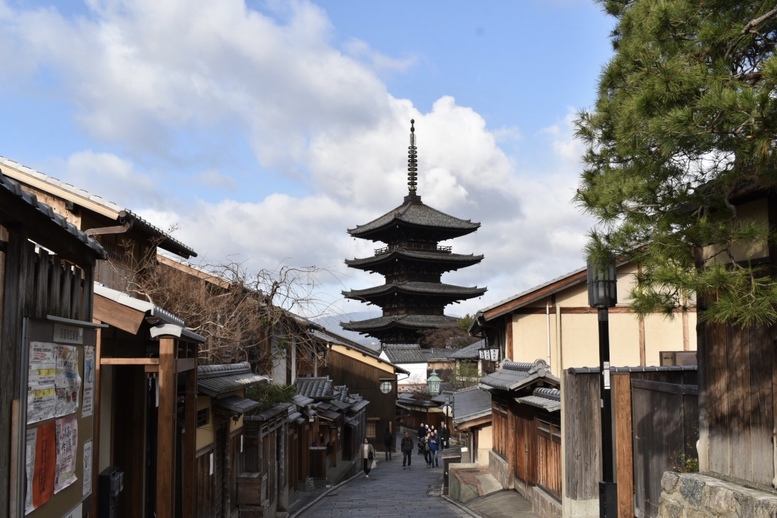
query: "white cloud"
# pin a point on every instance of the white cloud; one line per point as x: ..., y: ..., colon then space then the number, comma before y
x: 154, y: 80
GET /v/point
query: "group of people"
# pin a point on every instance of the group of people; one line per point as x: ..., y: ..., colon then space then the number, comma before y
x: 430, y: 442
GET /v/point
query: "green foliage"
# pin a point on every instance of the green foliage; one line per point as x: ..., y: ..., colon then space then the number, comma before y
x: 269, y: 395
x: 685, y: 118
x: 465, y: 322
x: 685, y: 461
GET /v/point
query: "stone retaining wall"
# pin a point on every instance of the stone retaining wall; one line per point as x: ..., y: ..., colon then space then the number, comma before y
x: 500, y: 469
x: 691, y: 495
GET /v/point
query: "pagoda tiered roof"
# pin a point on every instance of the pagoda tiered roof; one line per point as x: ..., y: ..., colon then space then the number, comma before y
x: 384, y: 323
x: 441, y: 259
x: 426, y: 289
x: 413, y: 214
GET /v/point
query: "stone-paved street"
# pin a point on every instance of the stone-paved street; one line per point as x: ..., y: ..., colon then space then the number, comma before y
x: 389, y: 492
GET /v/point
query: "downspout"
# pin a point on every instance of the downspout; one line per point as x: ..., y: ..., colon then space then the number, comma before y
x: 547, y: 319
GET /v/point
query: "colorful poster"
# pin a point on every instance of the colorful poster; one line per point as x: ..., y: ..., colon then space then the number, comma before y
x: 67, y: 448
x: 87, y: 473
x: 41, y: 465
x: 41, y: 379
x: 68, y: 381
x: 87, y: 400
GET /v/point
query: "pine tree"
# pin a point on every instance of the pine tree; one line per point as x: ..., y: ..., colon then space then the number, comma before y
x: 686, y: 118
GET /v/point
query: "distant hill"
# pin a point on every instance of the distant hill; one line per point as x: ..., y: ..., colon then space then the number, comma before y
x: 332, y: 324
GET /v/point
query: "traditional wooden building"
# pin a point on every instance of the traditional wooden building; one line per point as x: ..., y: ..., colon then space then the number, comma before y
x: 145, y: 358
x: 46, y: 271
x: 413, y: 297
x: 526, y: 420
x: 472, y: 422
x: 221, y: 452
x: 371, y: 377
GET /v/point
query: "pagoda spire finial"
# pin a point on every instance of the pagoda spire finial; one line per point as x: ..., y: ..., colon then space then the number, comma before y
x: 412, y: 162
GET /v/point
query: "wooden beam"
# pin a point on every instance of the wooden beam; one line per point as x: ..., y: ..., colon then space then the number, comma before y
x: 117, y: 315
x: 129, y: 361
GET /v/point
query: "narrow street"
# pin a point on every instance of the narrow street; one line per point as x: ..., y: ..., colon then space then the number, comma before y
x: 389, y: 491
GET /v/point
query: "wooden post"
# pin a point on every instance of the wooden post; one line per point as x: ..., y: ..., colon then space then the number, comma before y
x: 165, y: 461
x: 624, y: 454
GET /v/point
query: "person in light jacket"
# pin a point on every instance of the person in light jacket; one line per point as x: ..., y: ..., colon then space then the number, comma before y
x: 367, y: 453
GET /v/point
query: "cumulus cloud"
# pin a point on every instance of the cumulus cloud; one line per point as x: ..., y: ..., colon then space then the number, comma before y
x: 175, y: 89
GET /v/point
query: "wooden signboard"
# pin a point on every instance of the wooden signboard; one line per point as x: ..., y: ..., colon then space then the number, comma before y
x: 56, y: 420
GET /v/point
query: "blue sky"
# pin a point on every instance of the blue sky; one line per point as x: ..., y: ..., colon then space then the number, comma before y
x: 260, y: 131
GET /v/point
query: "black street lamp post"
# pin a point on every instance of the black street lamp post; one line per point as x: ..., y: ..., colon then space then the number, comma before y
x: 602, y: 294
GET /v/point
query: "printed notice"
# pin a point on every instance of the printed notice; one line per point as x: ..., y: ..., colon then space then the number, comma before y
x: 41, y: 393
x: 87, y: 400
x: 40, y: 465
x: 87, y: 478
x: 67, y: 448
x: 67, y: 382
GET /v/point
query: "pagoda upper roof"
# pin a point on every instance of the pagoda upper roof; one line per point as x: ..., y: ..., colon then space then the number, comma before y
x: 417, y: 288
x: 444, y: 260
x: 414, y: 213
x: 403, y: 321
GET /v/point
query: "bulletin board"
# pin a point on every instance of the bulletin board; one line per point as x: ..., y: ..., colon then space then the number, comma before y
x: 57, y: 416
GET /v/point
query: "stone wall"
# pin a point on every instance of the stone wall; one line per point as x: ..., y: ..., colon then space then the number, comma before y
x: 543, y: 504
x: 691, y: 495
x: 500, y: 469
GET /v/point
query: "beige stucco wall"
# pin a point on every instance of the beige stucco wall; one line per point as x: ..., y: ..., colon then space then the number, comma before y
x: 564, y: 330
x: 485, y: 443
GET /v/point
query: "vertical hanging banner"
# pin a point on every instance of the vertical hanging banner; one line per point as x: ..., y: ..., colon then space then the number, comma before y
x: 41, y: 466
x: 87, y: 400
x: 67, y: 449
x: 68, y: 380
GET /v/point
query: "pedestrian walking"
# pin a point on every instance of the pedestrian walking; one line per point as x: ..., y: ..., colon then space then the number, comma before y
x: 388, y: 442
x: 427, y: 452
x: 445, y: 437
x: 434, y: 445
x: 368, y: 457
x: 407, y: 450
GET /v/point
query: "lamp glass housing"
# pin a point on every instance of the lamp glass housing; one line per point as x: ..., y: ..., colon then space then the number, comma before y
x: 433, y: 383
x: 602, y: 285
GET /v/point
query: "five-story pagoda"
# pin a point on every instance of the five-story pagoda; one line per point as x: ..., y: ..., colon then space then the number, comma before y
x: 413, y: 298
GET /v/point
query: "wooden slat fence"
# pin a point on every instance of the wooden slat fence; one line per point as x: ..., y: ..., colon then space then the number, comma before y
x: 655, y: 418
x: 665, y: 417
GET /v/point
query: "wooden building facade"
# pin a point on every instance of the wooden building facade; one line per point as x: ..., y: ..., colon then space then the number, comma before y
x: 526, y: 421
x: 46, y: 276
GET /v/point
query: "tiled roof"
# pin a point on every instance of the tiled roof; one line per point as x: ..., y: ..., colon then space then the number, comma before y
x: 237, y: 404
x: 416, y: 213
x: 406, y: 321
x: 584, y: 370
x: 316, y: 388
x: 406, y: 353
x: 218, y: 380
x: 107, y: 208
x: 470, y: 403
x: 469, y: 352
x: 417, y: 288
x: 513, y: 375
x: 11, y: 186
x: 167, y: 323
x: 543, y: 397
x: 444, y: 258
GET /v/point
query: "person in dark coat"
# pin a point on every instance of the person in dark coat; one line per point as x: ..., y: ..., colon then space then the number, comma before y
x: 388, y: 442
x: 445, y: 436
x: 407, y: 450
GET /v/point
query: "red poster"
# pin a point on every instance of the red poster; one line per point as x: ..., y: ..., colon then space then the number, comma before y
x: 45, y: 464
